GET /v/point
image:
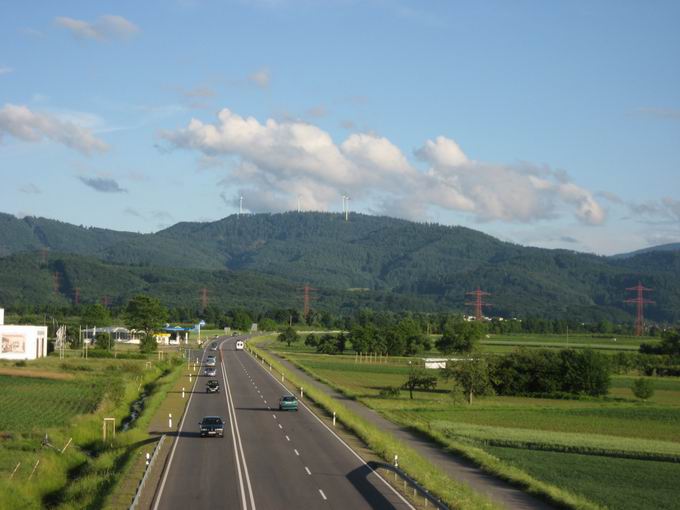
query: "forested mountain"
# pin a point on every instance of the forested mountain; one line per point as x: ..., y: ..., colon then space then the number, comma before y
x: 382, y: 262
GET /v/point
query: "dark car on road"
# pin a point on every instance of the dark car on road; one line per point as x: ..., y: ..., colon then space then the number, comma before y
x: 212, y: 426
x: 212, y: 386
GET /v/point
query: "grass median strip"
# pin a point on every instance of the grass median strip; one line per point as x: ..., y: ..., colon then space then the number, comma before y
x: 451, y: 492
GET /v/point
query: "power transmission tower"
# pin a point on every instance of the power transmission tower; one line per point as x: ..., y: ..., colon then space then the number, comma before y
x: 478, y: 303
x: 204, y: 298
x: 56, y: 276
x: 307, y: 295
x: 640, y: 301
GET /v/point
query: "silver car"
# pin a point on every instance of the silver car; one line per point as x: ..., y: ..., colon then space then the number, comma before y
x: 210, y: 361
x: 210, y: 371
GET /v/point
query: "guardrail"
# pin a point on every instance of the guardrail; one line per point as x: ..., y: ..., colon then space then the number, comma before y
x: 149, y: 464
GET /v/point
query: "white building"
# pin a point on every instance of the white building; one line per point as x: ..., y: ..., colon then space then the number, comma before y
x: 22, y: 342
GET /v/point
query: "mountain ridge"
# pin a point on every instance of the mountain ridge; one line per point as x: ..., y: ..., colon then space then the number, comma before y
x: 424, y: 265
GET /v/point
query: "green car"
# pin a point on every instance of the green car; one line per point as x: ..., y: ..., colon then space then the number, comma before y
x: 288, y: 403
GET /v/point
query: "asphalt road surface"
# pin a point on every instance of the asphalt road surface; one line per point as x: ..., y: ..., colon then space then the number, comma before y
x: 267, y: 459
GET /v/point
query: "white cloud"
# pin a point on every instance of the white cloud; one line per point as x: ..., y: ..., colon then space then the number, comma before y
x: 261, y: 78
x: 22, y: 123
x: 30, y: 189
x: 5, y: 70
x: 280, y: 161
x: 107, y: 27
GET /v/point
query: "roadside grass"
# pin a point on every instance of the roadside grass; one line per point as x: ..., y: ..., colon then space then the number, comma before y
x: 625, y: 484
x: 86, y: 471
x: 609, y: 427
x: 453, y: 493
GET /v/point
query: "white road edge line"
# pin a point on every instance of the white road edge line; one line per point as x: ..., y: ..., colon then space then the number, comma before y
x: 174, y: 446
x: 238, y: 436
x: 244, y: 502
x: 380, y: 477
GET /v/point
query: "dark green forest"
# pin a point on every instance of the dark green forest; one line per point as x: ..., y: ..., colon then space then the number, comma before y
x: 261, y: 261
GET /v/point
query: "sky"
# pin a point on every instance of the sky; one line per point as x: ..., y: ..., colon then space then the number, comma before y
x: 550, y: 124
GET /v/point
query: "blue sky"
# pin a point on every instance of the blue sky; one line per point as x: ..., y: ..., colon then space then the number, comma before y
x: 553, y: 124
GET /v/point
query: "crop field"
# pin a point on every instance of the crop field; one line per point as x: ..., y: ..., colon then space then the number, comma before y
x: 582, y: 445
x: 51, y: 402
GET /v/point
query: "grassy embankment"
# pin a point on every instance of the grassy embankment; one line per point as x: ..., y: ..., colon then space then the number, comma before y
x: 540, y: 444
x: 69, y: 399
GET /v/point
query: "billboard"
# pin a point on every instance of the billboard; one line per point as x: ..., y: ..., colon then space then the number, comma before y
x: 14, y: 343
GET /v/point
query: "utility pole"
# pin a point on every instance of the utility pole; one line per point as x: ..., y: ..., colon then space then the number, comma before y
x: 640, y: 302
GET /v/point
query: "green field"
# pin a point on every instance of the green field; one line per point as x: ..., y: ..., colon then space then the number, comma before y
x: 31, y: 403
x: 577, y: 444
x: 67, y: 401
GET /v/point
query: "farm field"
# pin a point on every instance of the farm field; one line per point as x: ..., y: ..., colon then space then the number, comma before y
x: 64, y: 401
x: 589, y: 439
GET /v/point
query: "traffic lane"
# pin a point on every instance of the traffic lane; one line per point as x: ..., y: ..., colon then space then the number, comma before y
x: 278, y: 481
x: 203, y: 471
x: 340, y: 478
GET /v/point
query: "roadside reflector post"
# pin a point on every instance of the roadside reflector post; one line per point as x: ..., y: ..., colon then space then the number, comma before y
x: 189, y: 376
x: 334, y: 418
x: 148, y: 458
x: 182, y: 391
x: 396, y: 465
x: 281, y: 377
x: 270, y: 367
x: 302, y: 393
x: 169, y: 420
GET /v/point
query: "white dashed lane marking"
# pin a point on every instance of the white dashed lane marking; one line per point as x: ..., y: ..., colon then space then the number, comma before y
x: 323, y: 495
x: 297, y: 453
x: 308, y: 471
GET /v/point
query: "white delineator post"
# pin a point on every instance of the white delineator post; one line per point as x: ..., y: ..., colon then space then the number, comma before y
x: 169, y: 420
x: 182, y: 391
x: 334, y: 418
x: 302, y: 393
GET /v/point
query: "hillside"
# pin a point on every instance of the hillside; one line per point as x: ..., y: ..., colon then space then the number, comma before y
x: 401, y: 264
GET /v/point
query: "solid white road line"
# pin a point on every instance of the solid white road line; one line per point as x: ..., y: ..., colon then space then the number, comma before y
x: 342, y: 441
x: 244, y: 503
x: 174, y: 446
x: 238, y: 437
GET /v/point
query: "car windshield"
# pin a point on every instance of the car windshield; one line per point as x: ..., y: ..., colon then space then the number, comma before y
x: 289, y: 399
x: 212, y: 421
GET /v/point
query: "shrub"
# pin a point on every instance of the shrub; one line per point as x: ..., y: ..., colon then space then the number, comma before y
x: 390, y: 392
x: 643, y: 388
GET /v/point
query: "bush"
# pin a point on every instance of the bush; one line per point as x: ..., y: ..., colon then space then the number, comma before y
x: 390, y: 392
x: 643, y: 388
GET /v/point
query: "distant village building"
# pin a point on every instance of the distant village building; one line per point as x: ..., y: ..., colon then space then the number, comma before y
x: 22, y: 342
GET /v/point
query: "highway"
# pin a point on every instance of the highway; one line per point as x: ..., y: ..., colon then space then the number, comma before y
x: 267, y: 459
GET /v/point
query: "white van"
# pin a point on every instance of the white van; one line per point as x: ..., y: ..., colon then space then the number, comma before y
x: 239, y: 345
